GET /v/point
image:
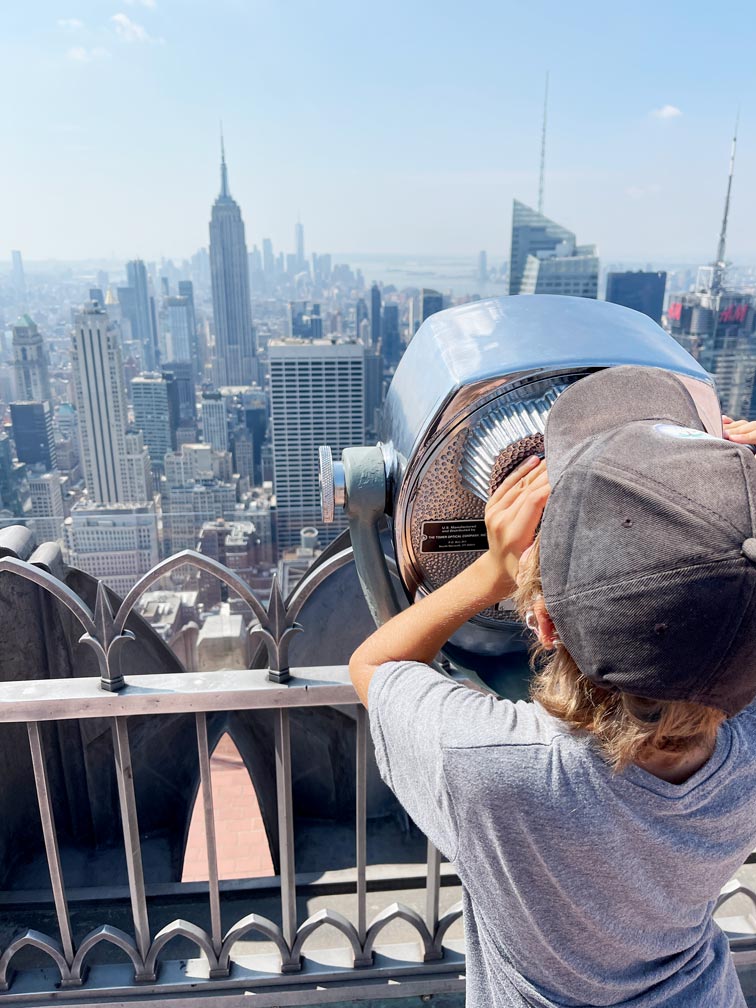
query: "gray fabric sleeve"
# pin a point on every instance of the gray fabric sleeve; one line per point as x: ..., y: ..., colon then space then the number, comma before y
x: 412, y: 708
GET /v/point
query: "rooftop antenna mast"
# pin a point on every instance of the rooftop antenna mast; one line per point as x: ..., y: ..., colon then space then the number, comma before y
x: 224, y: 171
x: 720, y: 264
x: 543, y: 145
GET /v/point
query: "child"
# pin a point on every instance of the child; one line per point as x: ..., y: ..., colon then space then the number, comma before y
x: 593, y: 828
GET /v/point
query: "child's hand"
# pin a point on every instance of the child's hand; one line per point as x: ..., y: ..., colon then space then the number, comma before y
x: 512, y: 517
x: 740, y: 431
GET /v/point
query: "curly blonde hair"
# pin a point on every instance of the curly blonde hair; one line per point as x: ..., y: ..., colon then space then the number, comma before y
x: 628, y: 729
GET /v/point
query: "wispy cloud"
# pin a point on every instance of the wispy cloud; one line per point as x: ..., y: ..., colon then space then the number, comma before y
x: 130, y: 31
x: 666, y: 112
x: 70, y: 24
x: 79, y: 54
x: 141, y: 3
x: 639, y: 192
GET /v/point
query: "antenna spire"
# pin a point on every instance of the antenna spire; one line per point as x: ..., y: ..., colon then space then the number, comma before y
x: 543, y: 145
x: 720, y: 263
x: 224, y: 171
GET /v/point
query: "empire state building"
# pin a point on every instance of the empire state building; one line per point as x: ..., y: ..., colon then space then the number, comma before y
x: 234, y: 335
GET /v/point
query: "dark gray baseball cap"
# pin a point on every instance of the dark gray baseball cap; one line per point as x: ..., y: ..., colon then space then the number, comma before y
x: 648, y: 543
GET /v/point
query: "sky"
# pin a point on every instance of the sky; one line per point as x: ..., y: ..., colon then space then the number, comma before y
x: 404, y: 127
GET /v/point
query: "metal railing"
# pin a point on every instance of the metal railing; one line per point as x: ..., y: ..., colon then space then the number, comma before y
x: 217, y: 975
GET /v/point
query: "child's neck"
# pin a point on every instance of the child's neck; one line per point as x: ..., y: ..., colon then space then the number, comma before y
x: 676, y: 769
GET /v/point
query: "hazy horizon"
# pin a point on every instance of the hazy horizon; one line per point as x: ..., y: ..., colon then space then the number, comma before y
x: 411, y: 128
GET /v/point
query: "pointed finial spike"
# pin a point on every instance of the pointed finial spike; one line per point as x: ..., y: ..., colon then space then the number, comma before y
x: 103, y: 610
x: 276, y: 610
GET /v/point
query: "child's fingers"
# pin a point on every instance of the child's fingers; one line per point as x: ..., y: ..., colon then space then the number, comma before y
x: 523, y: 523
x: 530, y: 465
x: 517, y: 482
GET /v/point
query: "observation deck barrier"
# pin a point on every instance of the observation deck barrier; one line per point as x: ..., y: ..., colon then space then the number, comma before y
x: 123, y: 958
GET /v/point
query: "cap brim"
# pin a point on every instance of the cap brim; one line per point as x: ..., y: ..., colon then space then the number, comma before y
x: 611, y: 398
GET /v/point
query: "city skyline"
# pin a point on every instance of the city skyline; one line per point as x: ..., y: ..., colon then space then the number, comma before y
x: 422, y: 154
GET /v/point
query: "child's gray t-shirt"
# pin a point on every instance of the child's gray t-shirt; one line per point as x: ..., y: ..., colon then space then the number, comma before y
x: 581, y: 888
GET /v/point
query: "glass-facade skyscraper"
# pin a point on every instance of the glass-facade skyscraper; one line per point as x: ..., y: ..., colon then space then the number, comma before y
x: 229, y: 272
x: 136, y: 306
x: 545, y: 259
x: 639, y: 290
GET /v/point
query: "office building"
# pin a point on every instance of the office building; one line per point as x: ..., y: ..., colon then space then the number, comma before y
x: 196, y: 462
x: 317, y: 398
x: 152, y: 415
x: 197, y: 348
x: 214, y: 421
x: 390, y: 343
x: 110, y: 474
x: 301, y: 262
x: 254, y: 415
x: 137, y: 308
x: 734, y: 373
x: 198, y: 488
x: 268, y: 259
x: 179, y: 316
x: 373, y: 393
x: 232, y: 313
x: 482, y: 269
x: 47, y: 508
x: 182, y: 407
x: 375, y: 316
x: 15, y: 500
x: 642, y: 291
x: 67, y: 453
x: 431, y: 301
x: 18, y: 275
x: 33, y: 433
x: 138, y: 468
x: 242, y: 450
x: 117, y: 543
x: 235, y: 544
x: 545, y: 258
x: 30, y: 362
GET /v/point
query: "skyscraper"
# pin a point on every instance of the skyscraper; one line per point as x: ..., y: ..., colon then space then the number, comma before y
x: 15, y: 499
x: 390, y: 347
x: 234, y: 336
x: 136, y: 306
x: 214, y: 422
x: 269, y: 259
x: 375, y: 315
x: 360, y: 315
x: 431, y: 302
x: 317, y: 397
x: 149, y: 398
x: 642, y: 291
x: 116, y: 543
x: 19, y: 278
x: 179, y: 316
x: 482, y: 268
x: 47, y: 505
x: 182, y: 408
x: 33, y: 433
x: 30, y: 361
x: 299, y: 238
x: 545, y: 259
x: 101, y: 405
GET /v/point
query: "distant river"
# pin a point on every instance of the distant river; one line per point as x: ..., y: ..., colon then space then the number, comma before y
x: 446, y: 273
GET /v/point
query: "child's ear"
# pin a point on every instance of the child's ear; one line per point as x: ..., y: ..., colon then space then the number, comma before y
x: 547, y: 633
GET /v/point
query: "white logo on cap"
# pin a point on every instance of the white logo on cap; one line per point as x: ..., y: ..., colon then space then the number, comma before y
x: 686, y: 433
